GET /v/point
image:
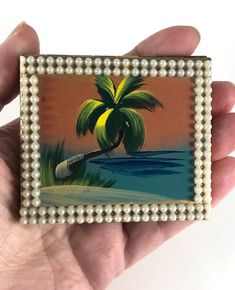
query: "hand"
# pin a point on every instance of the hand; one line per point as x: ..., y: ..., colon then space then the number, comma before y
x: 90, y: 256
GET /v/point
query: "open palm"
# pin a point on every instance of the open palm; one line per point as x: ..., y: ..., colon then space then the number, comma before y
x: 91, y: 256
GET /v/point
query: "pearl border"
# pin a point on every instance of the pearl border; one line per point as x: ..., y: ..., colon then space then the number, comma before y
x: 197, y: 68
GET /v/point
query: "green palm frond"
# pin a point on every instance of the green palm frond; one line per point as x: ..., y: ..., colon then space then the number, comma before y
x: 89, y: 110
x: 114, y: 124
x: 134, y: 130
x: 101, y: 131
x: 127, y: 85
x: 106, y: 89
x: 140, y: 100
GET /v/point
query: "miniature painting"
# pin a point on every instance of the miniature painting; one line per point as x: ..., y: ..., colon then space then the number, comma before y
x: 115, y: 139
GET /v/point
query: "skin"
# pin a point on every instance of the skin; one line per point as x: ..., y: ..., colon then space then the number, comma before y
x: 91, y: 256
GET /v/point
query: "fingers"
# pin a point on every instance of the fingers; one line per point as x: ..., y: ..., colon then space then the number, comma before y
x: 223, y: 97
x: 175, y: 40
x: 145, y: 237
x: 23, y: 40
x: 223, y: 136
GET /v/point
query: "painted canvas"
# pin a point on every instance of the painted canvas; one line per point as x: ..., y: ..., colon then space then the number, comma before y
x: 115, y: 139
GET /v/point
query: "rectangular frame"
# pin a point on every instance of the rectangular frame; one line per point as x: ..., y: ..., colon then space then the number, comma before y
x: 195, y: 67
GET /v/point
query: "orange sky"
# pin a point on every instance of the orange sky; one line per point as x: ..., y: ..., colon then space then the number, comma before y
x: 62, y: 95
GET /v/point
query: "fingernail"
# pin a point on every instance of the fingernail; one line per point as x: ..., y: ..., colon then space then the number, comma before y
x: 17, y: 28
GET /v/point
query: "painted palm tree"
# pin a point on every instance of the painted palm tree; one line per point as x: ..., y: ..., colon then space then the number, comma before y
x: 113, y: 119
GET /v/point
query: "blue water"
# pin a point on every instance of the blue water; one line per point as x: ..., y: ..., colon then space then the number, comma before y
x: 166, y: 173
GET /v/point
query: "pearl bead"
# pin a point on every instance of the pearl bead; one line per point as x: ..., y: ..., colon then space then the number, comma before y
x: 144, y: 63
x: 99, y: 219
x: 189, y: 63
x: 107, y: 71
x: 80, y: 209
x: 50, y: 60
x: 135, y: 62
x: 125, y: 62
x: 135, y: 208
x: 33, y: 80
x: 172, y: 208
x: 70, y: 219
x: 59, y: 70
x: 199, y: 73
x: 42, y: 220
x: 190, y: 207
x: 153, y: 72
x: 126, y: 208
x: 88, y: 71
x: 190, y: 216
x: 40, y: 70
x: 35, y: 193
x: 31, y: 69
x: 181, y: 63
x: 51, y: 220
x: 59, y: 61
x: 135, y: 72
x: 162, y: 72
x: 108, y: 218
x: 42, y: 211
x: 207, y: 81
x: 199, y: 207
x: 107, y: 62
x: 97, y: 62
x: 69, y: 61
x: 117, y: 218
x: 24, y: 90
x: 116, y: 71
x: 99, y: 209
x: 36, y: 202
x: 34, y: 100
x: 61, y: 220
x: 145, y: 217
x: 80, y: 219
x: 97, y: 71
x: 199, y: 81
x: 172, y: 63
x: 25, y: 193
x: 89, y: 209
x: 163, y: 217
x: 30, y: 60
x: 136, y: 217
x: 50, y: 70
x: 108, y: 208
x: 26, y: 202
x: 125, y: 72
x: 171, y: 72
x: 117, y: 208
x: 79, y: 61
x: 145, y: 208
x: 144, y: 72
x: 190, y: 73
x: 181, y: 216
x: 70, y: 210
x: 89, y: 219
x: 207, y: 90
x: 199, y: 216
x: 22, y: 69
x: 26, y: 184
x: 32, y: 220
x: 180, y: 73
x: 162, y: 63
x: 198, y: 198
x: 198, y: 63
x: 40, y: 60
x: 23, y: 211
x: 153, y: 63
x: 79, y: 70
x: 51, y: 210
x: 61, y: 210
x: 23, y: 220
x: 154, y: 217
x: 154, y: 208
x: 181, y: 207
x: 34, y: 146
x: 88, y: 61
x: 163, y: 207
x: 172, y: 217
x: 207, y: 198
x: 207, y: 63
x: 126, y: 218
x: 116, y: 62
x: 69, y: 70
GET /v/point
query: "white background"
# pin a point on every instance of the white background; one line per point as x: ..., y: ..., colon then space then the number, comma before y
x: 203, y: 256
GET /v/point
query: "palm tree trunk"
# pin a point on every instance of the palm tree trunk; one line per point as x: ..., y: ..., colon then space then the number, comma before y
x: 70, y: 166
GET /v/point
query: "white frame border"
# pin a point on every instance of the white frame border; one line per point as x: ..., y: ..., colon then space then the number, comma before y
x: 197, y: 68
